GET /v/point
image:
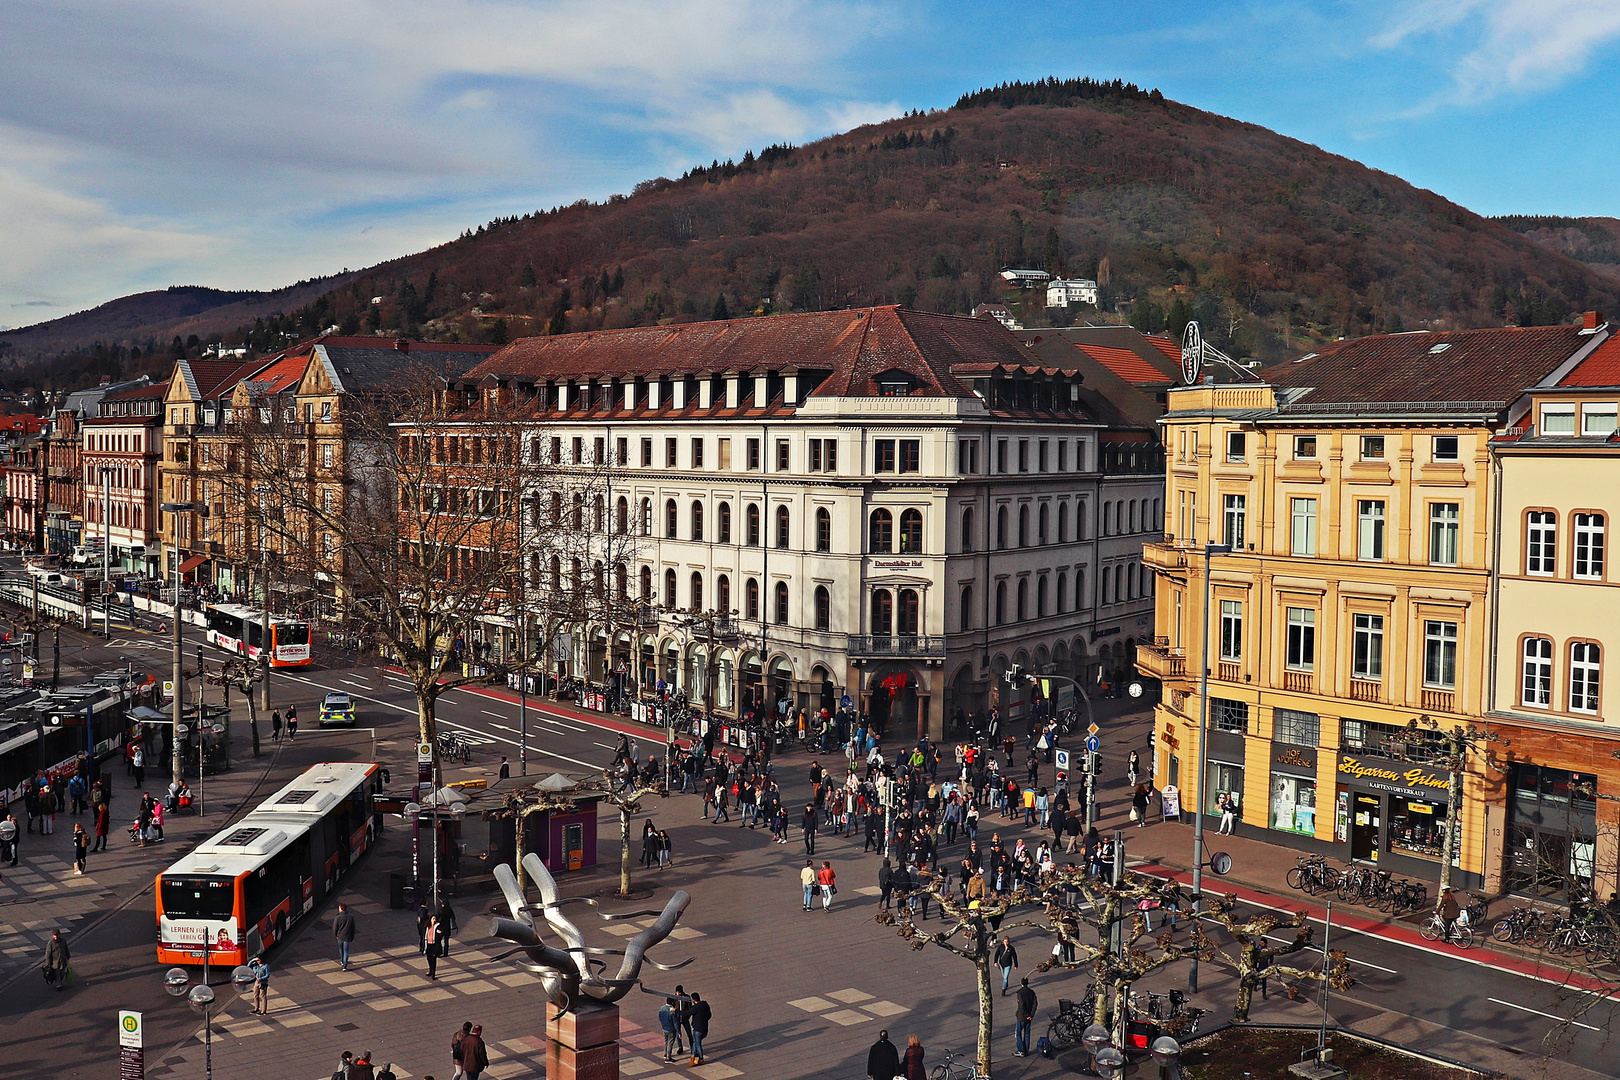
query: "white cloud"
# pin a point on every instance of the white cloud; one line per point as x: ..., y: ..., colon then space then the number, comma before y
x: 1514, y: 45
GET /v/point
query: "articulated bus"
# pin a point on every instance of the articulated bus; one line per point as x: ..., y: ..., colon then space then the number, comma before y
x: 239, y: 891
x: 240, y: 630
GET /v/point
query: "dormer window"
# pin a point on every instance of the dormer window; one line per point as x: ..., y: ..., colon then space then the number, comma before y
x: 895, y: 384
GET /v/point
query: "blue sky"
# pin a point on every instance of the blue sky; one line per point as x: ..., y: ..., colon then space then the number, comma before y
x: 251, y: 143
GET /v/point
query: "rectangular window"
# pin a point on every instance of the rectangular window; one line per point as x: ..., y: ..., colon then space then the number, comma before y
x: 646, y: 453
x: 829, y: 452
x: 1588, y: 561
x: 1305, y: 446
x: 1001, y: 455
x: 883, y: 455
x: 1541, y: 543
x: 1293, y: 804
x: 1367, y: 647
x: 1301, y: 639
x: 1444, y: 519
x: 622, y: 452
x: 326, y: 456
x: 1370, y: 530
x: 1372, y: 448
x: 1228, y: 715
x: 1063, y: 455
x: 1224, y: 778
x: 1041, y: 456
x: 1023, y: 455
x: 1234, y: 515
x: 670, y: 453
x: 1298, y: 728
x: 1584, y: 676
x: 1302, y: 535
x: 1537, y: 671
x: 1445, y: 448
x: 697, y: 453
x: 781, y: 455
x: 579, y: 450
x: 813, y: 455
x: 1440, y: 654
x: 1598, y: 419
x: 556, y: 450
x: 753, y: 454
x: 1558, y: 419
x: 725, y: 455
x: 910, y: 455
x: 967, y: 457
x: 1231, y: 630
x: 601, y: 451
x: 1236, y: 446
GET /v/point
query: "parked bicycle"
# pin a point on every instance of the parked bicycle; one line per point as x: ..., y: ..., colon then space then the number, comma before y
x: 1525, y: 926
x: 1313, y: 875
x: 452, y: 745
x: 1072, y: 1018
x: 952, y: 1069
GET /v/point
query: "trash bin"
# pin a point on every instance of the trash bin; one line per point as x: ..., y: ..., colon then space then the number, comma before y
x: 396, y: 891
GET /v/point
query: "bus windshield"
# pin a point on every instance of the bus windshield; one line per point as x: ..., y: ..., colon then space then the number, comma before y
x: 296, y: 633
x: 198, y: 897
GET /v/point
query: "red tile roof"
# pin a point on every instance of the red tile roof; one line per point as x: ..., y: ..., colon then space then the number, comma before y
x: 1170, y: 348
x: 218, y: 377
x: 1600, y: 368
x: 1127, y: 365
x: 282, y: 375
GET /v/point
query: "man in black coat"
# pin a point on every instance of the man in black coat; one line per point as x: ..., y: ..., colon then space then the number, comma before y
x: 885, y: 884
x: 883, y: 1060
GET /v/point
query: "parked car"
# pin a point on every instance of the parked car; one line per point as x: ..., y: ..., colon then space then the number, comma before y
x: 337, y: 710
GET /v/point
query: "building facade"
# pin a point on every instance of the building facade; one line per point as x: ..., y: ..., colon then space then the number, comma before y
x: 122, y: 449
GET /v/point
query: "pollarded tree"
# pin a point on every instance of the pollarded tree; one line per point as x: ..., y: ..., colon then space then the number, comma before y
x: 1255, y: 956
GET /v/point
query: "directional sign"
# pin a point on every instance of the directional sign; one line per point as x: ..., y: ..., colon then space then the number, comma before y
x: 1062, y: 760
x: 1092, y: 743
x: 1094, y: 729
x: 846, y: 702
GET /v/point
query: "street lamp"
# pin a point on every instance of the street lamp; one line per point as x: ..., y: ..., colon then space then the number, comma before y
x: 201, y: 997
x: 1210, y: 550
x: 179, y: 674
x: 1166, y: 1053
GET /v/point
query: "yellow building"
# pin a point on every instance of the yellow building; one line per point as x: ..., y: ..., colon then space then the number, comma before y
x: 1354, y: 487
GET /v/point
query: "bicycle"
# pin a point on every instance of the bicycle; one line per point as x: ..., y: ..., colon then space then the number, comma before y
x: 952, y: 1069
x: 1522, y: 925
x: 452, y: 745
x: 1433, y: 929
x: 1313, y: 875
x: 1071, y: 1020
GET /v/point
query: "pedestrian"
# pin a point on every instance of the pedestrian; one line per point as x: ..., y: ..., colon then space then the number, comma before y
x: 8, y: 840
x: 670, y: 1027
x: 506, y: 770
x: 261, y: 985
x: 81, y: 845
x: 447, y: 926
x: 885, y: 884
x: 292, y: 721
x: 275, y: 725
x: 808, y: 824
x: 157, y: 820
x: 882, y: 1060
x: 807, y: 878
x: 430, y: 946
x: 47, y: 809
x: 76, y: 794
x: 360, y: 1068
x: 138, y: 762
x: 649, y: 844
x: 683, y: 1018
x: 722, y: 800
x: 1133, y: 765
x: 388, y: 1072
x: 1006, y: 959
x: 343, y: 1065
x: 666, y: 849
x: 1023, y: 1016
x: 343, y: 928
x: 474, y: 1055
x: 57, y: 959
x: 455, y: 1048
x: 829, y: 884
x: 1139, y: 805
x: 912, y: 1066
x: 423, y: 917
x: 701, y: 1015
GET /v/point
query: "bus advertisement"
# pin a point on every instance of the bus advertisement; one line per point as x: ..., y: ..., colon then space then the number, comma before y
x: 240, y: 630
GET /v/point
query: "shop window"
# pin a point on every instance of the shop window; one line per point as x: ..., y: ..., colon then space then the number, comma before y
x: 1298, y: 728
x: 1224, y: 778
x: 1228, y: 715
x: 1417, y: 826
x: 1293, y: 804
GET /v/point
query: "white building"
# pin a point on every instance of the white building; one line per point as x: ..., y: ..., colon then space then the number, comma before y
x: 897, y: 505
x: 1067, y: 291
x: 1024, y: 279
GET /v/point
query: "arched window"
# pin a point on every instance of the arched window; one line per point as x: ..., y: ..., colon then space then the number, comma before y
x: 1001, y: 529
x: 621, y: 518
x: 646, y: 583
x: 1023, y: 526
x: 1023, y: 599
x: 722, y: 524
x: 882, y: 612
x: 967, y: 530
x: 556, y: 582
x: 1080, y: 589
x: 669, y: 589
x: 823, y: 529
x: 599, y: 514
x: 911, y: 532
x: 697, y: 591
x: 880, y: 533
x: 1001, y: 603
x: 1063, y: 523
x: 1119, y: 584
x: 646, y: 517
x: 1061, y: 593
x: 622, y: 581
x: 753, y: 524
x: 599, y: 576
x: 722, y: 594
x: 556, y: 508
x: 751, y: 599
x: 782, y: 527
x: 781, y: 603
x: 906, y: 614
x: 697, y: 520
x: 1080, y: 521
x: 823, y: 608
x: 965, y: 615
x: 1104, y: 576
x: 1042, y: 518
x: 1040, y: 597
x: 577, y: 518
x: 1102, y: 524
x: 671, y: 520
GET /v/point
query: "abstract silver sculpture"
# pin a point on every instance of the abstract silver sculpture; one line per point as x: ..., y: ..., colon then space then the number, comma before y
x: 570, y: 973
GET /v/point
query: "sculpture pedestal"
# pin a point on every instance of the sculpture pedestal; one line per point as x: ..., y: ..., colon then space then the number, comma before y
x: 584, y: 1044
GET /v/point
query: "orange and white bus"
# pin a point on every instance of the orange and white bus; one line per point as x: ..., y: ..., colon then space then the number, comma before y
x: 238, y: 629
x: 240, y: 890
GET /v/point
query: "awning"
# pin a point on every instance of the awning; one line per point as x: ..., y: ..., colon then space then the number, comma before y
x: 192, y: 563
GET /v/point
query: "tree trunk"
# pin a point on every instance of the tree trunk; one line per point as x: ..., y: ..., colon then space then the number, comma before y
x: 624, y: 851
x: 1248, y: 968
x: 987, y: 1001
x: 253, y: 714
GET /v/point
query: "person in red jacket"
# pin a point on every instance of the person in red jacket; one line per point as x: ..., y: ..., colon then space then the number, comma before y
x: 912, y: 1066
x: 829, y: 884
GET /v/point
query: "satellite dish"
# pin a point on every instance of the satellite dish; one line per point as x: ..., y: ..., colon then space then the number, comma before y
x: 1192, y: 353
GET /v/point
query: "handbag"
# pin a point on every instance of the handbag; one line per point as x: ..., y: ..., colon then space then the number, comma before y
x: 1135, y: 816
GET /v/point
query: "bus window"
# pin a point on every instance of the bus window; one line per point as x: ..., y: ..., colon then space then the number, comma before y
x: 255, y: 634
x: 199, y: 898
x: 292, y: 634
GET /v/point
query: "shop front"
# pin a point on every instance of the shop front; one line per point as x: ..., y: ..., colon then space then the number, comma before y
x: 1393, y: 813
x: 1225, y: 772
x: 1552, y: 831
x: 1292, y: 790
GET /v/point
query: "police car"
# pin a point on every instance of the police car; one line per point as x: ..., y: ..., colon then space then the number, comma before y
x: 337, y: 709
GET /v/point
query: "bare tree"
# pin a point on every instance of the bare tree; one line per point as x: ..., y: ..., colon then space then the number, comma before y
x: 1255, y: 954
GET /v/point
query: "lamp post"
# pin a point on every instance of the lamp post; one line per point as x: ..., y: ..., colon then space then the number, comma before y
x: 1210, y: 550
x: 1166, y: 1054
x: 201, y: 998
x: 179, y: 673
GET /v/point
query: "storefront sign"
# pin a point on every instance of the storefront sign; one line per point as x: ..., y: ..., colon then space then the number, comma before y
x: 897, y: 564
x: 1393, y: 776
x: 1295, y: 757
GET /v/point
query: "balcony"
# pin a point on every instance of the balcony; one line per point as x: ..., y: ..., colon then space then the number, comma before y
x: 897, y: 645
x: 1366, y: 690
x: 1229, y: 671
x: 1161, y: 661
x: 1297, y: 681
x: 1443, y: 701
x: 1171, y: 555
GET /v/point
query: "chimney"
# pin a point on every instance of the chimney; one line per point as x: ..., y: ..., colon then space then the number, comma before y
x: 1590, y: 320
x: 402, y: 344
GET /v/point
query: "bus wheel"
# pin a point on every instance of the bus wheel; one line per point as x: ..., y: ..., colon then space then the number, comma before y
x: 281, y: 928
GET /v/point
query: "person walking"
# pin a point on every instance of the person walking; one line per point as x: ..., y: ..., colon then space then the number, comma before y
x: 701, y: 1015
x: 671, y: 1029
x: 292, y: 721
x: 666, y: 849
x: 431, y: 946
x: 47, y: 809
x: 1139, y: 805
x: 261, y: 985
x: 506, y: 769
x: 361, y: 1068
x: 1006, y: 960
x: 807, y: 878
x: 456, y: 1041
x: 885, y: 885
x: 275, y: 725
x: 57, y: 959
x: 829, y: 884
x: 882, y: 1060
x: 1133, y: 765
x: 1023, y: 1016
x: 683, y: 1018
x: 343, y: 928
x: 423, y: 917
x: 808, y: 824
x: 8, y: 840
x: 138, y: 764
x: 474, y: 1054
x: 81, y: 846
x: 722, y: 800
x: 911, y: 1067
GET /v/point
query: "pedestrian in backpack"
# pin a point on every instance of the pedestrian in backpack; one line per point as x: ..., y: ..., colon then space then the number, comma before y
x: 1023, y: 1016
x: 343, y: 928
x: 455, y: 1049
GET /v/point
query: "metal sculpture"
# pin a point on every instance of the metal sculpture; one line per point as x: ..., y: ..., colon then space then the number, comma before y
x: 571, y: 974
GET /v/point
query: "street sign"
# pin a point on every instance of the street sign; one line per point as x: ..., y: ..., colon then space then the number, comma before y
x: 168, y: 687
x: 131, y: 1065
x: 1062, y: 760
x: 1092, y: 743
x: 846, y: 702
x: 1094, y: 730
x: 424, y: 751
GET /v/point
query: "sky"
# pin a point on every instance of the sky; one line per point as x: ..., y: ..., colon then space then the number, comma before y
x: 248, y: 145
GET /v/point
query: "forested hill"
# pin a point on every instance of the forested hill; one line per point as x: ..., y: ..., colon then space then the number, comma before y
x: 1273, y: 244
